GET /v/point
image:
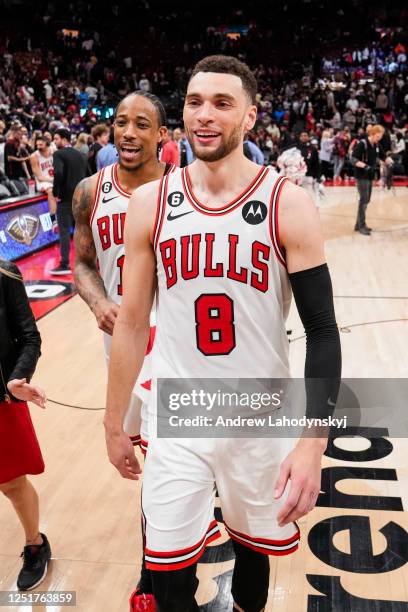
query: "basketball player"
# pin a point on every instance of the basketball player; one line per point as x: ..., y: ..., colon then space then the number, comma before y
x: 100, y: 205
x: 221, y: 242
x: 43, y: 169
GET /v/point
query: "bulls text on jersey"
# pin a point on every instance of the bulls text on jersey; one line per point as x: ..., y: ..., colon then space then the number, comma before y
x: 181, y: 260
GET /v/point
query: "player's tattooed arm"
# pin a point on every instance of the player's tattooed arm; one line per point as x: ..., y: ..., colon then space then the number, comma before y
x: 88, y: 281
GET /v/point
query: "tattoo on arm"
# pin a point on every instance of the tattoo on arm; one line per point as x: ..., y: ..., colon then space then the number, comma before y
x: 87, y: 278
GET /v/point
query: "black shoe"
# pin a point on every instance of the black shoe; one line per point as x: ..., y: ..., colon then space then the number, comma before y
x: 364, y: 230
x: 61, y: 270
x: 36, y: 558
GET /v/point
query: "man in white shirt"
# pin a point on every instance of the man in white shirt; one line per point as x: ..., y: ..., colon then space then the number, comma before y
x: 352, y: 103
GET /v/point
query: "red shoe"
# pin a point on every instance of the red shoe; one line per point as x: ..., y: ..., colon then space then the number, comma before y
x: 142, y: 602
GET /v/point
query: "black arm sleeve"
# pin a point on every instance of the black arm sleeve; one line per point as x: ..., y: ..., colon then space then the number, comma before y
x: 313, y: 293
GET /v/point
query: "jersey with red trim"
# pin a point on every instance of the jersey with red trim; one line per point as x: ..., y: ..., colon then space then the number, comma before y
x: 223, y: 290
x: 46, y: 165
x: 108, y: 225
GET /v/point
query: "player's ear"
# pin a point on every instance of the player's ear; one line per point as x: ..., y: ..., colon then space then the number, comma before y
x: 162, y: 133
x: 250, y: 117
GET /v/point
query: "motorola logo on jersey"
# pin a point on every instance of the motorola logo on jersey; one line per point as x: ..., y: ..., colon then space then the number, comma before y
x: 106, y: 187
x: 175, y: 198
x: 254, y: 212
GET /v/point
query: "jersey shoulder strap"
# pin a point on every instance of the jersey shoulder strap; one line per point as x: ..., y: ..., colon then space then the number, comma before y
x: 274, y: 218
x: 97, y: 193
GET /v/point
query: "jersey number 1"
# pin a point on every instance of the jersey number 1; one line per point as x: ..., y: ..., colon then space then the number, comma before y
x: 119, y: 263
x: 215, y: 328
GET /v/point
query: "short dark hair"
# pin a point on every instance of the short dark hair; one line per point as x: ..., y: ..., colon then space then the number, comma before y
x: 63, y: 133
x: 43, y: 138
x: 157, y: 103
x: 226, y: 64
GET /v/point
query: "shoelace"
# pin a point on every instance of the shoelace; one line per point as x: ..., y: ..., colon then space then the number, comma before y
x: 30, y: 558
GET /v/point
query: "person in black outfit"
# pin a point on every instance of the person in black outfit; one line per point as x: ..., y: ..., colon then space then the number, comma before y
x: 310, y: 154
x: 20, y: 452
x: 364, y: 159
x: 70, y: 167
x: 14, y: 157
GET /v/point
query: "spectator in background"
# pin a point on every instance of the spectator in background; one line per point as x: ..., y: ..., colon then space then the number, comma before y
x: 100, y: 135
x: 253, y: 152
x: 20, y: 452
x: 352, y: 103
x: 2, y: 145
x: 388, y: 119
x: 349, y: 120
x: 399, y: 146
x: 336, y: 122
x: 107, y: 155
x: 144, y: 83
x: 325, y: 153
x: 381, y: 103
x: 310, y: 155
x: 185, y: 151
x: 69, y: 169
x: 340, y: 149
x: 364, y: 159
x: 169, y: 153
x: 81, y: 144
x: 47, y: 90
x: 14, y: 160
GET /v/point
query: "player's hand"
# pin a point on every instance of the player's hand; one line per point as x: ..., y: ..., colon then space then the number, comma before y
x: 303, y: 468
x: 22, y: 390
x: 122, y: 455
x: 106, y: 313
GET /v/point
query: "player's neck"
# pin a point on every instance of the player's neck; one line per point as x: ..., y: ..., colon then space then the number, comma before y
x: 131, y: 179
x: 232, y: 174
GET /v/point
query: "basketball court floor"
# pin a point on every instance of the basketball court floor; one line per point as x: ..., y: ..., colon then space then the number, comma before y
x: 354, y: 547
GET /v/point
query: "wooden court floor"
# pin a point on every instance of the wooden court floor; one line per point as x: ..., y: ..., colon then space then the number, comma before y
x: 91, y: 515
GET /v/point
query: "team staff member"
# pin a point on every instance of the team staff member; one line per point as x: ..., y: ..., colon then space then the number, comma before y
x: 364, y: 158
x: 20, y: 453
x: 69, y: 169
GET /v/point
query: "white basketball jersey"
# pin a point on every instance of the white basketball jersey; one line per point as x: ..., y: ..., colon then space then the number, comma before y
x: 108, y: 227
x: 46, y: 166
x: 223, y: 290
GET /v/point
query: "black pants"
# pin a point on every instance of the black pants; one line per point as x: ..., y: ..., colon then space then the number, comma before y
x: 65, y: 220
x: 364, y: 187
x: 326, y: 168
x: 174, y: 591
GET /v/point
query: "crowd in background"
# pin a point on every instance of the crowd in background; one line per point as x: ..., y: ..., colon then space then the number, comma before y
x: 53, y: 78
